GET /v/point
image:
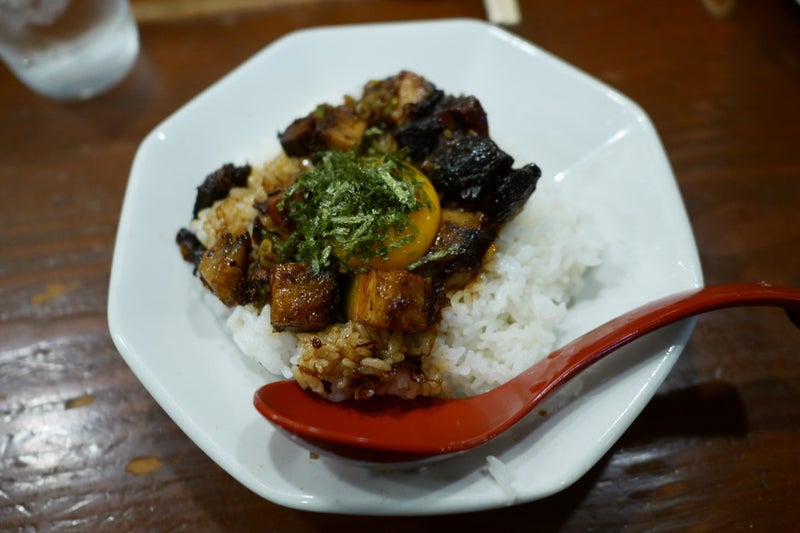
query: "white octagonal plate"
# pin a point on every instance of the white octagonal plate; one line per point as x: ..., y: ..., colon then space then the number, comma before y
x: 592, y: 143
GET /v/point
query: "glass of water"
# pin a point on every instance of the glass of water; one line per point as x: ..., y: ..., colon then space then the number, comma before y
x: 68, y: 49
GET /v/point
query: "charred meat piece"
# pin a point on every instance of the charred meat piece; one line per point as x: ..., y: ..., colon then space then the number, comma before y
x: 420, y: 137
x: 326, y: 128
x: 385, y: 104
x: 260, y: 231
x: 420, y: 134
x: 298, y: 137
x: 411, y: 89
x: 449, y: 114
x: 427, y: 107
x: 460, y: 245
x: 393, y: 299
x: 339, y: 129
x: 506, y: 198
x: 224, y: 267
x: 301, y: 299
x: 470, y: 171
x: 218, y: 184
x: 463, y: 113
x: 391, y: 102
x: 254, y: 289
x: 463, y: 165
x: 192, y: 249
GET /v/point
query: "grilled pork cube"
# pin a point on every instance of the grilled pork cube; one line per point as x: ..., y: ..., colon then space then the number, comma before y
x: 218, y: 184
x: 449, y: 114
x: 460, y: 245
x: 393, y: 101
x: 463, y: 113
x: 393, y: 299
x: 507, y: 197
x: 420, y: 137
x: 254, y: 289
x: 326, y: 128
x: 224, y: 267
x: 297, y: 138
x: 301, y: 299
x: 412, y: 89
x: 463, y: 165
x: 191, y: 248
x: 339, y: 128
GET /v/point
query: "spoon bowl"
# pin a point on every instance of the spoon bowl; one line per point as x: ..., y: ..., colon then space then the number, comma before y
x: 391, y: 430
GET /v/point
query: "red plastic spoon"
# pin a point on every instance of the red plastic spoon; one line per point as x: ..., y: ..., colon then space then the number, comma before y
x: 387, y: 430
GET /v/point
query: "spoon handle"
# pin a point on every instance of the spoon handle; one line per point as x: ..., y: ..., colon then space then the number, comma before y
x: 390, y: 431
x: 576, y: 356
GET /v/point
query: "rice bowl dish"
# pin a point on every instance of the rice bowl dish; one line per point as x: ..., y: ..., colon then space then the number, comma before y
x: 388, y: 249
x: 495, y: 328
x: 599, y: 152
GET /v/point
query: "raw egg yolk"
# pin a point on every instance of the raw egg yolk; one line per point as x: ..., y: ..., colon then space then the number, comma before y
x: 423, y: 224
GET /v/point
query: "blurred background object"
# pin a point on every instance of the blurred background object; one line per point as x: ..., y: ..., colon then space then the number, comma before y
x: 68, y: 49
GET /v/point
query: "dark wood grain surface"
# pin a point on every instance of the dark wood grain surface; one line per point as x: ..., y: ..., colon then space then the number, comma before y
x: 83, y: 447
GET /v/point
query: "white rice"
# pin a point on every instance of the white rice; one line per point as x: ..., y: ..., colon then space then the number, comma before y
x: 498, y: 327
x: 495, y: 328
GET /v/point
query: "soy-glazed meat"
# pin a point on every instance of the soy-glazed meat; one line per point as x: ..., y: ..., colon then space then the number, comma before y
x: 218, y: 184
x: 462, y: 241
x: 303, y: 299
x: 397, y: 198
x: 384, y: 104
x: 446, y: 136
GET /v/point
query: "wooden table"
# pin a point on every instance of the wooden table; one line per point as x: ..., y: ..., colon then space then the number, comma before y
x: 83, y: 447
